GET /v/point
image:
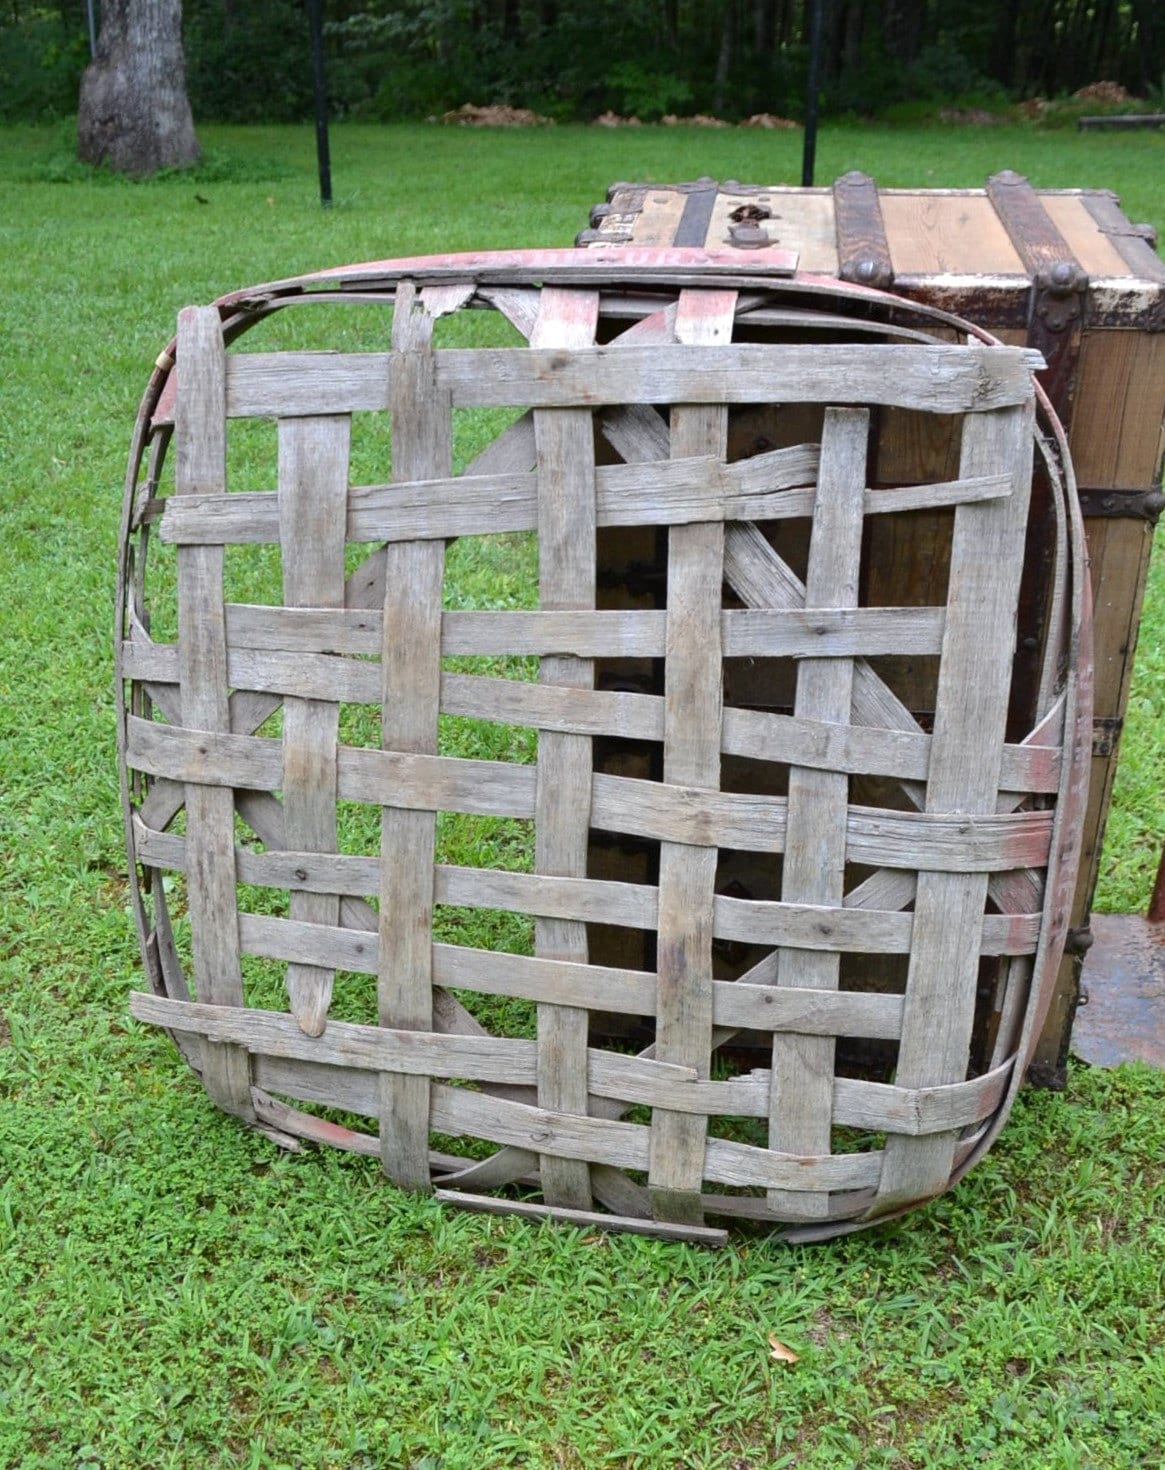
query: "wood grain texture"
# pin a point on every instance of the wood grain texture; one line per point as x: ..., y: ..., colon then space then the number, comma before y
x: 693, y: 707
x: 937, y: 379
x: 566, y: 582
x: 313, y: 491
x: 974, y: 679
x: 814, y: 867
x: 410, y: 663
x: 200, y: 468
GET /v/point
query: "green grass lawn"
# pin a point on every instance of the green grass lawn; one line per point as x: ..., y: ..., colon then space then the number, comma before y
x: 173, y: 1292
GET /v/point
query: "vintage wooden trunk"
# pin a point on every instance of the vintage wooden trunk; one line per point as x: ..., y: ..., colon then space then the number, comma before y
x: 1060, y: 270
x: 822, y: 799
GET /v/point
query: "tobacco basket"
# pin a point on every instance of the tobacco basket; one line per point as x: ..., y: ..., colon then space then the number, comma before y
x: 841, y: 826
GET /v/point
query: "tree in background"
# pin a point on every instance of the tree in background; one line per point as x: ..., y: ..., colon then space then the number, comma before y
x: 133, y: 114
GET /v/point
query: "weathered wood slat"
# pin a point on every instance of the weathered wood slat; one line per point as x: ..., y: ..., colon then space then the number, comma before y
x: 631, y: 633
x: 971, y: 706
x: 815, y: 855
x: 200, y: 451
x: 628, y: 992
x: 566, y: 582
x: 313, y: 480
x: 693, y: 710
x: 415, y: 1053
x: 935, y: 379
x: 588, y: 900
x: 874, y: 836
x: 855, y: 1103
x: 771, y: 486
x: 1029, y: 768
x: 414, y: 573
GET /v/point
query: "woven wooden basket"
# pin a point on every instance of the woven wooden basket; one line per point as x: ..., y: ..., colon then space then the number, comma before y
x: 833, y: 1041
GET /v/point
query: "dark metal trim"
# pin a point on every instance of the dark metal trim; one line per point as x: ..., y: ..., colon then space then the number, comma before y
x: 1106, y: 734
x: 1079, y: 941
x: 862, y: 247
x: 1059, y: 291
x: 697, y: 216
x: 1140, y: 504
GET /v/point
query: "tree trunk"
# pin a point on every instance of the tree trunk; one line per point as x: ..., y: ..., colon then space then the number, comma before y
x: 133, y: 113
x: 723, y: 60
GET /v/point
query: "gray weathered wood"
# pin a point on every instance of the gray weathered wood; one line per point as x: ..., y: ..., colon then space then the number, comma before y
x: 693, y: 707
x: 566, y: 580
x: 876, y: 836
x: 772, y: 486
x: 937, y: 379
x: 814, y: 865
x: 974, y: 679
x: 313, y: 487
x: 200, y: 449
x: 411, y: 673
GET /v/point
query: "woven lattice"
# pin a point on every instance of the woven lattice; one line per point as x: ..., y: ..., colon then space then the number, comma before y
x: 836, y: 806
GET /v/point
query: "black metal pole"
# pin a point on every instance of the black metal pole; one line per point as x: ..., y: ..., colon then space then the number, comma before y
x: 319, y: 87
x: 809, y: 154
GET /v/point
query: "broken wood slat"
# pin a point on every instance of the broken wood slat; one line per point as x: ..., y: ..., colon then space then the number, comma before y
x: 772, y: 486
x: 585, y: 1219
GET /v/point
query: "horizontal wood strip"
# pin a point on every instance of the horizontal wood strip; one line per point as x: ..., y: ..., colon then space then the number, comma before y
x: 629, y: 633
x: 958, y: 843
x: 865, y: 750
x: 879, y: 838
x: 667, y: 492
x: 416, y: 1053
x: 759, y: 734
x: 632, y: 904
x: 624, y: 992
x: 592, y: 900
x: 675, y: 492
x: 937, y: 379
x: 456, y: 1111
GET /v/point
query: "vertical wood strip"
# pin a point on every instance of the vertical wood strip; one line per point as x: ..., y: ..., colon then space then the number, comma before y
x: 814, y: 863
x: 411, y: 669
x: 313, y: 491
x: 966, y: 749
x: 200, y: 467
x: 693, y: 709
x: 566, y: 563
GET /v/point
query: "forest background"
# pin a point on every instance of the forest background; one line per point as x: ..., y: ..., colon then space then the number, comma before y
x: 571, y: 60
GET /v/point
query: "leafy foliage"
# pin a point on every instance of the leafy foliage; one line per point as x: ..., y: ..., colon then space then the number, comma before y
x: 572, y: 59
